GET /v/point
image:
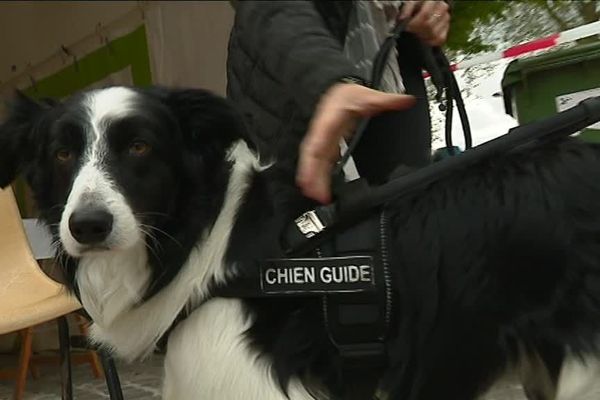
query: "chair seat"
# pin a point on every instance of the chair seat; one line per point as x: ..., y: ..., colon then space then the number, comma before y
x: 26, y: 304
x: 29, y: 296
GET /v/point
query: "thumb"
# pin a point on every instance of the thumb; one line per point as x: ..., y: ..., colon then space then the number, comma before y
x: 376, y: 102
x: 408, y: 8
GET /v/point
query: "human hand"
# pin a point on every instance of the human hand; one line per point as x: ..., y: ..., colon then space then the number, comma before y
x: 335, y: 117
x: 430, y: 20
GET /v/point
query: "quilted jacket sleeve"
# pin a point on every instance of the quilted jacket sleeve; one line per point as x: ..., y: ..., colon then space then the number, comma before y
x: 290, y: 42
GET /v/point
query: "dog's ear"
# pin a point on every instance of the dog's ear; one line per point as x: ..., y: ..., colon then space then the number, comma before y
x: 16, y: 136
x: 208, y: 122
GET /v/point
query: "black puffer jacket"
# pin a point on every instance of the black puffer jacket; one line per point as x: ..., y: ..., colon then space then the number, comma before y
x: 283, y: 55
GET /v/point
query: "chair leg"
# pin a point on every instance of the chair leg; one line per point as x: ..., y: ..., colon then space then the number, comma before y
x: 92, y: 355
x: 65, y: 358
x: 94, y: 362
x: 110, y: 370
x: 26, y: 339
x: 34, y: 371
x: 112, y: 376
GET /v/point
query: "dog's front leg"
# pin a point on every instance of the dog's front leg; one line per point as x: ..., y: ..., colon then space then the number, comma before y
x: 208, y: 357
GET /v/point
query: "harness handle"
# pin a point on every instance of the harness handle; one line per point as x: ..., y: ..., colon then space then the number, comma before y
x: 349, y: 208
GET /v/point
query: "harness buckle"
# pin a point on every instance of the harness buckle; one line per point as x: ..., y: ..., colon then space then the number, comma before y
x: 309, y: 224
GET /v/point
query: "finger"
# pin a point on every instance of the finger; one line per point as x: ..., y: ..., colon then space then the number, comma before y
x: 330, y: 124
x: 376, y: 102
x: 318, y: 152
x: 320, y: 148
x: 321, y: 142
x: 440, y: 15
x: 420, y: 20
x: 327, y: 123
x: 440, y: 32
x: 314, y: 178
x: 408, y: 9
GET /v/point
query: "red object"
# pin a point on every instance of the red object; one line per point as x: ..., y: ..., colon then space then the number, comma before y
x: 538, y: 44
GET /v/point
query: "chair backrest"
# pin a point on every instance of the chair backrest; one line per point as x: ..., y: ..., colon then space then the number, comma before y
x: 13, y: 240
x: 17, y: 262
x: 29, y: 296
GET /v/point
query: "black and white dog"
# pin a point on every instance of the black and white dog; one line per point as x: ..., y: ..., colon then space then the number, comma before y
x: 154, y: 195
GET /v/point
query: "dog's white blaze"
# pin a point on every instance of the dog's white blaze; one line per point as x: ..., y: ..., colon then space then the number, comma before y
x: 92, y: 184
x: 104, y: 106
x: 134, y: 332
x: 208, y: 358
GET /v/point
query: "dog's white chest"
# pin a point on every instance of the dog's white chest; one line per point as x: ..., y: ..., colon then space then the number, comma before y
x: 111, y: 283
x: 209, y: 357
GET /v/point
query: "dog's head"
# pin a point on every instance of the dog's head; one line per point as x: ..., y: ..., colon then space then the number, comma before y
x: 107, y: 165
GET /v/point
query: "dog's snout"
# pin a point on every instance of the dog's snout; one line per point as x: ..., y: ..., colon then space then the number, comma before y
x: 91, y: 225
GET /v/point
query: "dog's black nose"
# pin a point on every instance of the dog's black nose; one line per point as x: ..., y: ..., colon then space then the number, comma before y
x: 90, y: 225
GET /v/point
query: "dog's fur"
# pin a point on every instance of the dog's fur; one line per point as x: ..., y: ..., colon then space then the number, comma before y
x: 496, y: 266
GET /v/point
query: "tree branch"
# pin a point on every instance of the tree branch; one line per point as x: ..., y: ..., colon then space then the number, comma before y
x: 562, y: 24
x: 587, y: 10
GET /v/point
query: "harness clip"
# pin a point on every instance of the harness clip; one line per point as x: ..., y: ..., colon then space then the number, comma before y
x: 309, y: 224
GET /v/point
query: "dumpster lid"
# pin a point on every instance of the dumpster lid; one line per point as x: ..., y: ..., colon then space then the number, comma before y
x: 518, y: 69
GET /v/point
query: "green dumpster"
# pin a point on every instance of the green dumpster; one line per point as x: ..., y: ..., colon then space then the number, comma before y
x: 536, y: 87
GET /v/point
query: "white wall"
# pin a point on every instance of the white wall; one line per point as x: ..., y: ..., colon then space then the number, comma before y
x: 188, y: 43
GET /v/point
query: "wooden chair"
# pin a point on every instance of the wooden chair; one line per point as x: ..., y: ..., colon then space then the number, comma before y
x: 30, y: 297
x: 84, y: 356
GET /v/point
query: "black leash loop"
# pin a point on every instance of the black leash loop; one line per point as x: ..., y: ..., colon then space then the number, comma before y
x: 376, y: 75
x: 348, y: 209
x: 452, y: 92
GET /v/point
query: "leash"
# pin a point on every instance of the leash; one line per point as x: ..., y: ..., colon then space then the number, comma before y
x: 356, y: 199
x: 444, y: 80
x: 348, y: 271
x: 339, y: 253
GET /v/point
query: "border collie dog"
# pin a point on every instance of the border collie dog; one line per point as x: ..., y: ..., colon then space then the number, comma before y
x: 155, y: 195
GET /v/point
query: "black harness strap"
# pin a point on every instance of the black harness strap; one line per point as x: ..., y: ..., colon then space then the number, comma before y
x: 344, y: 245
x: 350, y: 273
x: 357, y: 199
x: 358, y: 323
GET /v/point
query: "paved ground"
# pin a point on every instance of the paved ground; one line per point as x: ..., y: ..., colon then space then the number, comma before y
x: 139, y: 381
x: 142, y: 381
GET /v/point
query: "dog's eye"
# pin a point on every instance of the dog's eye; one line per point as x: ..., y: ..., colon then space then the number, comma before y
x: 139, y: 148
x: 64, y: 155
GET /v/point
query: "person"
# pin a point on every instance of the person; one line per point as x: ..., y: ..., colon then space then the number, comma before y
x: 299, y: 69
